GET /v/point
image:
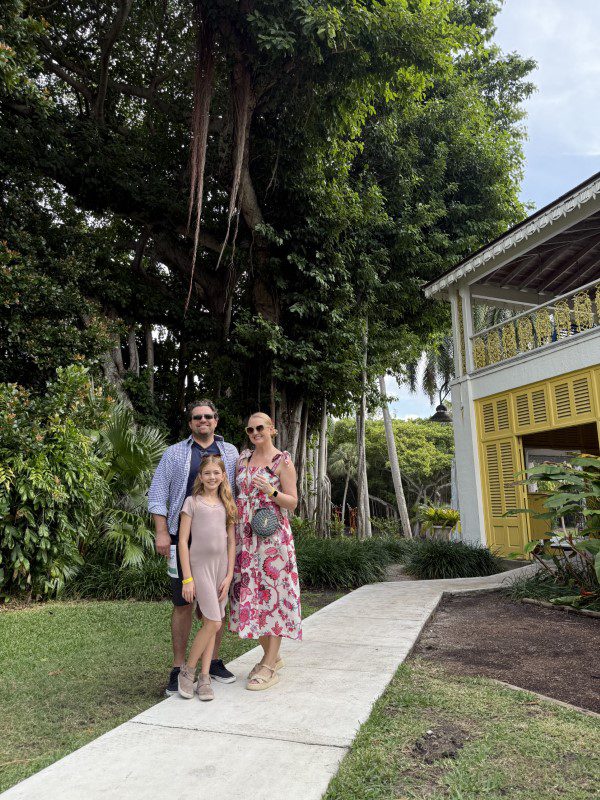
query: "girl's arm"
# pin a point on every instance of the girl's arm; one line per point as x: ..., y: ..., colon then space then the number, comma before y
x: 224, y: 587
x: 185, y: 526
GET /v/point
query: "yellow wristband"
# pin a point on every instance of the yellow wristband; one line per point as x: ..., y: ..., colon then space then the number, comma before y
x: 187, y: 580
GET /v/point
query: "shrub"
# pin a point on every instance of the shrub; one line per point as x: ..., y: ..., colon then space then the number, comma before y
x: 338, y: 563
x: 302, y: 527
x: 130, y: 453
x: 570, y: 560
x: 541, y: 586
x: 51, y: 487
x: 434, y: 558
x: 442, y: 516
x: 386, y: 526
x: 102, y: 579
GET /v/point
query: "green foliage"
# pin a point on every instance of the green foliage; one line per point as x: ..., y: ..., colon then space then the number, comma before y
x: 425, y: 451
x: 431, y: 559
x: 345, y: 563
x: 570, y: 560
x: 385, y: 143
x: 101, y: 579
x: 302, y: 528
x: 432, y: 516
x: 129, y: 454
x: 540, y: 586
x: 51, y: 486
x: 338, y: 563
x: 387, y: 527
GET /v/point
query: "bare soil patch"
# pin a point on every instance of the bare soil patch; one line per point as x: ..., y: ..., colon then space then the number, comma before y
x: 444, y: 741
x: 531, y: 647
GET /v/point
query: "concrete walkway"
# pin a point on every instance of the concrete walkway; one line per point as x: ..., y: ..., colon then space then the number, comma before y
x: 286, y: 742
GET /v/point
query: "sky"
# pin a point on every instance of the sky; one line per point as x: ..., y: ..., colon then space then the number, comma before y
x: 563, y: 115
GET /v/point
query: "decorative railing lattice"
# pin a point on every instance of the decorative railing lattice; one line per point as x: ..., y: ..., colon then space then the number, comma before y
x: 553, y: 321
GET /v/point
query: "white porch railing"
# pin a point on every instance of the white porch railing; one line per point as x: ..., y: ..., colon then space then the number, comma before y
x: 563, y: 316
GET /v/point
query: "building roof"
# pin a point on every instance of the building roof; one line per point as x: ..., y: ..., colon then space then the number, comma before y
x: 551, y: 252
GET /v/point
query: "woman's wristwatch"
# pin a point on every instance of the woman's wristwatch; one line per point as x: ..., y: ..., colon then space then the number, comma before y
x: 274, y: 493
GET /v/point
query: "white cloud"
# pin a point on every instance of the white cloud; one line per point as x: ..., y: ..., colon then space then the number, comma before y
x: 564, y: 114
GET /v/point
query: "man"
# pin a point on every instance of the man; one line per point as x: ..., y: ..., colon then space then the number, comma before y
x: 171, y: 484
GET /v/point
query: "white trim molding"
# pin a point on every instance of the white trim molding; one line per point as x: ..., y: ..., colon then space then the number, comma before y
x: 558, y: 216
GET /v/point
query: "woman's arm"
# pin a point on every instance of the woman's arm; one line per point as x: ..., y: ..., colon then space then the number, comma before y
x: 288, y: 496
x: 185, y: 526
x: 224, y: 587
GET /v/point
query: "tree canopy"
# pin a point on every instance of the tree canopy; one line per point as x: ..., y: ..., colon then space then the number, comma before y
x: 352, y: 151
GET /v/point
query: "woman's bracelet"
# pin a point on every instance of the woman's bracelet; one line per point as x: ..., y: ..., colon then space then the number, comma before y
x: 187, y: 580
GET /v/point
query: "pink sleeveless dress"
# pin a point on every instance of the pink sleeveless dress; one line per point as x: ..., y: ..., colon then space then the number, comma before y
x: 265, y: 591
x: 208, y: 554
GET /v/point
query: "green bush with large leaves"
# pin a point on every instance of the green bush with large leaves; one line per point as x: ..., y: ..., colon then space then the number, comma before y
x: 572, y: 558
x: 129, y: 454
x: 74, y: 469
x: 51, y: 483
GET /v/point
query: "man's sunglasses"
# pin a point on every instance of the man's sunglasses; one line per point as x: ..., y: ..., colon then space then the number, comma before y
x: 198, y: 417
x: 258, y: 429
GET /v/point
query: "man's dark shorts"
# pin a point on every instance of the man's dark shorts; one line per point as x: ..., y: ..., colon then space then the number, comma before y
x: 176, y: 584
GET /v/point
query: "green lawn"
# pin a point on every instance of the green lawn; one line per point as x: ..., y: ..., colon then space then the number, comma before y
x: 72, y: 671
x: 438, y: 736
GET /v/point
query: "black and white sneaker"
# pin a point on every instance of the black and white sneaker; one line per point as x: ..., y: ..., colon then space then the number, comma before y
x: 173, y: 685
x: 220, y: 673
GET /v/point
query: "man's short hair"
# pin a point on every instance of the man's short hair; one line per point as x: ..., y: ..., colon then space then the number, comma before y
x: 191, y: 406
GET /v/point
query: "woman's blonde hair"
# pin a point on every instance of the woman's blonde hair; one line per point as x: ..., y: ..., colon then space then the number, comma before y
x: 267, y: 420
x: 224, y: 491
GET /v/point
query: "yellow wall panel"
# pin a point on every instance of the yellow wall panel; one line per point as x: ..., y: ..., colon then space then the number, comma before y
x: 502, y: 419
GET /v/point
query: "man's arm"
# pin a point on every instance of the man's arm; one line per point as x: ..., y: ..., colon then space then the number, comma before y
x: 158, y: 498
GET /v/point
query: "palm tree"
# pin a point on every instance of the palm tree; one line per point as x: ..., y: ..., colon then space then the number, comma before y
x: 130, y: 453
x: 438, y: 369
x: 343, y: 463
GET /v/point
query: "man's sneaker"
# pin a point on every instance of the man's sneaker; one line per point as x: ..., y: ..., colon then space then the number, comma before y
x: 172, y: 687
x: 204, y: 690
x: 220, y: 673
x: 186, y: 682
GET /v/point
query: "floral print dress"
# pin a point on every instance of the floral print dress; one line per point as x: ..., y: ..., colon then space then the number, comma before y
x: 265, y: 592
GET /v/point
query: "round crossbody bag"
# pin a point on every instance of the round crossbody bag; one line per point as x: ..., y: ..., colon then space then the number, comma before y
x: 264, y: 521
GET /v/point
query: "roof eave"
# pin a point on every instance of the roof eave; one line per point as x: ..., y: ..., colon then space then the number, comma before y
x: 517, y: 236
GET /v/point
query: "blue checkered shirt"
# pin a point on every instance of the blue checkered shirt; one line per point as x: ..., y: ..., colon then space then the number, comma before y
x: 167, y: 490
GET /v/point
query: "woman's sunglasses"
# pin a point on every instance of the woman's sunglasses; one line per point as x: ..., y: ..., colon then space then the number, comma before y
x: 198, y: 417
x: 258, y: 429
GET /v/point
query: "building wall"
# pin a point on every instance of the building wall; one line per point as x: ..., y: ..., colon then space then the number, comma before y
x: 555, y: 387
x: 565, y: 400
x: 468, y: 473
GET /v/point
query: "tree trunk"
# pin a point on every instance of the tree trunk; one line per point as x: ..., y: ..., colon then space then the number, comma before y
x: 117, y: 356
x: 323, y: 509
x: 394, y: 466
x: 150, y: 358
x: 111, y: 374
x: 311, y: 480
x: 134, y: 356
x: 345, y: 496
x: 301, y: 461
x: 363, y: 519
x: 181, y: 375
x: 289, y: 423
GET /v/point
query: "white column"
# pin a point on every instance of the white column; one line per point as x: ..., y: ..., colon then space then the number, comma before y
x: 465, y: 296
x: 454, y: 301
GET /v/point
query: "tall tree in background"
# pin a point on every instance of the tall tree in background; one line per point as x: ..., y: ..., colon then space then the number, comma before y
x: 338, y: 155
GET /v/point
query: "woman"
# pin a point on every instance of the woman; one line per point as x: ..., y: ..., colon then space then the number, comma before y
x: 265, y: 595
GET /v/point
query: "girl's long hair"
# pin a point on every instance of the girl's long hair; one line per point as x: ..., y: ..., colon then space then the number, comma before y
x: 224, y: 491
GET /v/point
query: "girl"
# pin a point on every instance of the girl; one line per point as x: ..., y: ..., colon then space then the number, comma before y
x: 265, y: 597
x: 209, y: 514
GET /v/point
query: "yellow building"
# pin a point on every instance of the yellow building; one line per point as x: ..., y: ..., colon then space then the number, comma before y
x: 526, y: 330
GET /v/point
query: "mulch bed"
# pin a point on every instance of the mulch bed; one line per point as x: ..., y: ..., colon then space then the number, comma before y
x: 531, y: 647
